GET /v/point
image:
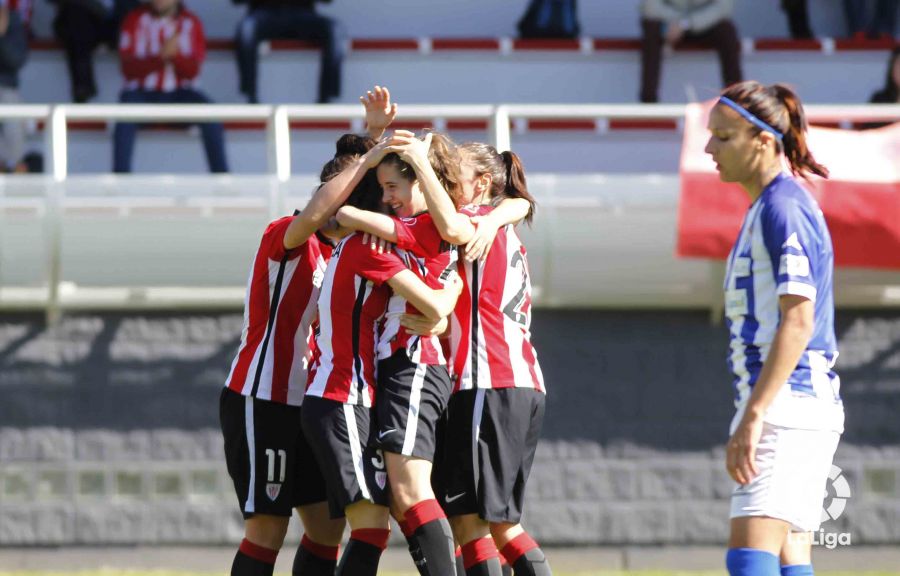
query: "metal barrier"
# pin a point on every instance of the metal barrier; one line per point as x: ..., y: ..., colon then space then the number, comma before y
x: 624, y: 201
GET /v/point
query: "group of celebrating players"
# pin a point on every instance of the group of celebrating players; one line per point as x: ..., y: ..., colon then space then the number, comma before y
x: 346, y: 311
x: 347, y: 304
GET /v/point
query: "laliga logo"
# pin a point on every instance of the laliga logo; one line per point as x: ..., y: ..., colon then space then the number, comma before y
x: 837, y: 491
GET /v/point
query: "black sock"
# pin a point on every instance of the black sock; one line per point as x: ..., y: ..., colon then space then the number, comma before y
x: 432, y: 532
x: 460, y: 566
x: 532, y: 563
x: 363, y: 552
x: 314, y: 559
x: 253, y: 560
x: 506, y: 569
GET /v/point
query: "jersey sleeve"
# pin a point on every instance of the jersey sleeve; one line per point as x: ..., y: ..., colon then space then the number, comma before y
x: 418, y: 235
x: 792, y: 243
x: 379, y: 268
x: 273, y: 239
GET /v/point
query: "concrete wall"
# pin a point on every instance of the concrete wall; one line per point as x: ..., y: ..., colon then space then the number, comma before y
x: 108, y: 429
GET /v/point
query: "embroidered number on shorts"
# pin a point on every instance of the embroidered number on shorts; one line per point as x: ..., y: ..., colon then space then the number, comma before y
x: 378, y: 460
x: 282, y: 464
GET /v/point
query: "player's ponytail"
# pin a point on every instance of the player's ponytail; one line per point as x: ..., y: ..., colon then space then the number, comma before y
x: 798, y: 154
x: 516, y: 186
x: 506, y: 170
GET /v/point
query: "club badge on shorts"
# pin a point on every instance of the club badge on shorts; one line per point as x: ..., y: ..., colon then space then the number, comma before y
x: 381, y: 479
x: 272, y: 491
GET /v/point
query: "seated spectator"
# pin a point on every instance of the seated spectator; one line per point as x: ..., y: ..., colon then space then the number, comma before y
x: 162, y: 47
x: 882, y: 24
x: 798, y: 18
x: 82, y: 26
x: 890, y: 94
x: 669, y: 22
x: 291, y: 19
x: 13, y: 53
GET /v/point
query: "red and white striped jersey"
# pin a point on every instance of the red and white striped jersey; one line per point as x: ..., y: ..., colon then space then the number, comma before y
x: 352, y: 302
x: 279, y: 310
x: 431, y: 258
x: 140, y: 47
x: 490, y: 330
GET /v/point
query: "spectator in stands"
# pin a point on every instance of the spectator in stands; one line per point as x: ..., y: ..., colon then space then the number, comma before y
x: 162, y: 47
x: 82, y: 26
x: 798, y: 18
x: 890, y: 93
x: 294, y: 19
x: 13, y: 53
x: 882, y: 24
x: 669, y: 22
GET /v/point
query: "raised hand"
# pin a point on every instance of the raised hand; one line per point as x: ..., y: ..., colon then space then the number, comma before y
x: 380, y: 112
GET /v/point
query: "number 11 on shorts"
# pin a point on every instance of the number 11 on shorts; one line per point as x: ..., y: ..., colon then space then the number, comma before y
x: 282, y: 460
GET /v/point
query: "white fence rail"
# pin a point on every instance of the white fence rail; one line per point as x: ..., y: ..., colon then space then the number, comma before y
x: 89, y: 242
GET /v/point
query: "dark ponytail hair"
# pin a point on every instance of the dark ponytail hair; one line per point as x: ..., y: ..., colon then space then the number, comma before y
x: 506, y: 170
x: 779, y: 107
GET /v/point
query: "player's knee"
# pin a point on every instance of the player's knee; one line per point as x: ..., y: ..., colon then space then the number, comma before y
x: 327, y: 533
x: 503, y: 532
x: 364, y: 514
x: 266, y: 531
x: 468, y: 527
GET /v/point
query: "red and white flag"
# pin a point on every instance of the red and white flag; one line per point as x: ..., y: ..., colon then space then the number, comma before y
x: 860, y: 200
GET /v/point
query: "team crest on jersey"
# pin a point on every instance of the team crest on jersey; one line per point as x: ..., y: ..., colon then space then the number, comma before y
x: 272, y: 491
x: 381, y: 479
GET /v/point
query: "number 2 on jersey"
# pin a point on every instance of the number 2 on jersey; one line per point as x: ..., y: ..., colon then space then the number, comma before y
x: 513, y: 308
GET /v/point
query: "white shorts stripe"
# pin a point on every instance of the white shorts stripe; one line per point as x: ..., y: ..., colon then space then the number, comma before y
x: 476, y: 425
x: 412, y: 418
x: 356, y: 449
x: 250, y: 504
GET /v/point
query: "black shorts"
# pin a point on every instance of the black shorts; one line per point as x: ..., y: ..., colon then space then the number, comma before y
x: 411, y: 399
x: 351, y: 464
x: 268, y: 458
x: 489, y: 448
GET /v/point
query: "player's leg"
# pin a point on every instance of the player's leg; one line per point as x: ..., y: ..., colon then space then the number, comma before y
x: 369, y: 533
x: 796, y: 554
x: 320, y: 546
x: 754, y: 545
x: 339, y: 436
x: 786, y: 494
x: 460, y: 497
x: 258, y: 436
x: 511, y: 426
x: 412, y: 399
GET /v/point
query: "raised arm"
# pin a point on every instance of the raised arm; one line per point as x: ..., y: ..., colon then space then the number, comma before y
x: 380, y: 112
x: 453, y: 227
x: 330, y: 196
x: 433, y: 304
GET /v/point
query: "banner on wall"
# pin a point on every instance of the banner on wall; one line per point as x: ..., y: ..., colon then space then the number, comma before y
x: 860, y: 199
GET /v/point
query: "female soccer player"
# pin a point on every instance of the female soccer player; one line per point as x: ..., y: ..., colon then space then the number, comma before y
x: 497, y: 409
x: 267, y: 455
x: 780, y: 312
x: 412, y: 374
x: 336, y: 414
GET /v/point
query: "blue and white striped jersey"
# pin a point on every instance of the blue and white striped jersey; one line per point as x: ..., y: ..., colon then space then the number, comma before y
x: 784, y: 248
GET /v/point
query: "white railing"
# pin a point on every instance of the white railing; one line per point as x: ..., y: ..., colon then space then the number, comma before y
x: 62, y: 193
